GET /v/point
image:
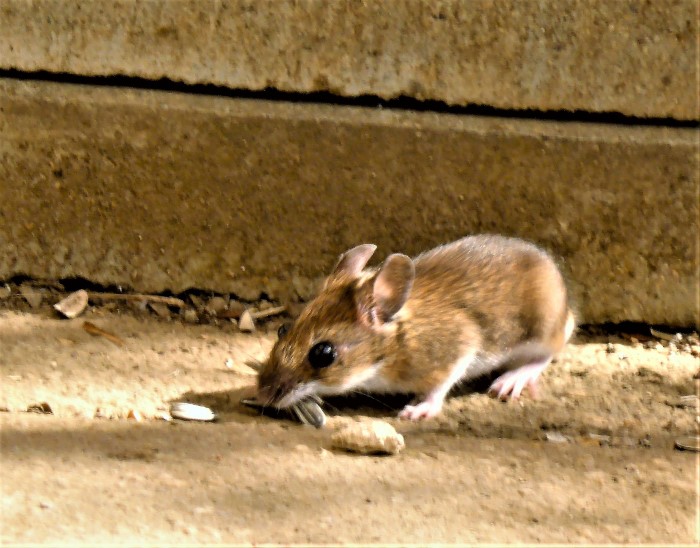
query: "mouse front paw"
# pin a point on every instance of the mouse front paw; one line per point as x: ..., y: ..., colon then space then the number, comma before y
x: 425, y: 410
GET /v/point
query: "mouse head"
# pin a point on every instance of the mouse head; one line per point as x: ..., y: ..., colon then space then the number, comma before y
x: 336, y: 344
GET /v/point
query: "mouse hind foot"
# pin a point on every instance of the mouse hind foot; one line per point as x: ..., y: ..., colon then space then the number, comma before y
x: 511, y: 383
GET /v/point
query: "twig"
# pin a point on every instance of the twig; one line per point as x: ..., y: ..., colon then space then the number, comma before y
x: 268, y: 312
x: 171, y: 301
x: 98, y: 331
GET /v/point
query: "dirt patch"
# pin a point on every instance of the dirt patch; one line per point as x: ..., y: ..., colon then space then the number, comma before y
x: 591, y: 460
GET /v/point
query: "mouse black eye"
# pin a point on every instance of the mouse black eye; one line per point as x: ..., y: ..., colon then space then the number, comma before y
x: 322, y: 355
x: 283, y: 329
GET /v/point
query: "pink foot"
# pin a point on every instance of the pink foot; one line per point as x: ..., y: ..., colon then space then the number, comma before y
x: 424, y: 410
x: 511, y: 383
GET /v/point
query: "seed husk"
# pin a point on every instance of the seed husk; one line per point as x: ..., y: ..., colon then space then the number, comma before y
x: 191, y: 412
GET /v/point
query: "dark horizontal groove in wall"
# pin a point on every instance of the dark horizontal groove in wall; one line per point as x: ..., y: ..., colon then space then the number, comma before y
x: 367, y: 101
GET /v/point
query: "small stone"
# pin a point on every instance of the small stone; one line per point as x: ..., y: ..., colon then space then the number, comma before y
x: 42, y: 408
x: 73, y: 305
x: 610, y: 348
x: 134, y: 415
x: 190, y: 315
x: 632, y: 469
x: 369, y: 438
x: 650, y: 374
x: 215, y: 305
x: 31, y: 295
x: 602, y: 439
x: 197, y: 302
x: 691, y: 400
x: 5, y: 292
x: 246, y: 323
x: 232, y: 311
x: 161, y: 310
x: 556, y: 437
x: 45, y: 505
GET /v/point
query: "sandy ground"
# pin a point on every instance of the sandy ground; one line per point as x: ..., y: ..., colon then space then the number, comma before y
x: 591, y: 460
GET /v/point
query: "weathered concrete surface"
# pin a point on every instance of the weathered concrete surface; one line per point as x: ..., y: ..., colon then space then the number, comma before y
x: 162, y: 191
x: 637, y: 58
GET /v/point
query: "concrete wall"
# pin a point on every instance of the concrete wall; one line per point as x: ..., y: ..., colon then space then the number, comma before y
x: 164, y: 191
x: 635, y: 57
x: 161, y: 191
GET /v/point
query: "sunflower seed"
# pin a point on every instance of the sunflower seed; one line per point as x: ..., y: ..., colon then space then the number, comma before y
x: 688, y: 443
x: 191, y: 412
x: 309, y: 412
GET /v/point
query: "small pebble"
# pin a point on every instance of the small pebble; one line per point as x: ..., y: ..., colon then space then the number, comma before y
x: 134, y: 415
x: 246, y: 323
x: 632, y: 469
x: 215, y: 305
x: 31, y: 295
x: 190, y: 315
x: 161, y: 310
x: 556, y: 437
x: 43, y: 408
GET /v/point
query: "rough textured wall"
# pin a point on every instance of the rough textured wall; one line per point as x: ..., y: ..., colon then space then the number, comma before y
x: 168, y: 191
x: 630, y: 56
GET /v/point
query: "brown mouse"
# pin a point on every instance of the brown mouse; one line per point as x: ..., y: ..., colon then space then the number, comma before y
x: 480, y: 304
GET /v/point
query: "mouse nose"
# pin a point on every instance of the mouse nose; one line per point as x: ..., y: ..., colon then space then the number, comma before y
x: 271, y: 393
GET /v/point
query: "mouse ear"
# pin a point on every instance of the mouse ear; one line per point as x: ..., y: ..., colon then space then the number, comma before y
x: 393, y: 285
x: 354, y: 260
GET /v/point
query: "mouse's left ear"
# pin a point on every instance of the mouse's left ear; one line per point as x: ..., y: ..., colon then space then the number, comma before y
x: 392, y: 286
x: 353, y: 261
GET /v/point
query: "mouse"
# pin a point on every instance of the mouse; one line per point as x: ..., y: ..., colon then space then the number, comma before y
x: 484, y: 304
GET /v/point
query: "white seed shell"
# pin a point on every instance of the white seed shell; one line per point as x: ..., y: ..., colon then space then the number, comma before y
x: 73, y: 305
x: 191, y: 412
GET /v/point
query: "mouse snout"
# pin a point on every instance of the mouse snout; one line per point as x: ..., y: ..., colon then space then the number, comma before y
x: 274, y: 386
